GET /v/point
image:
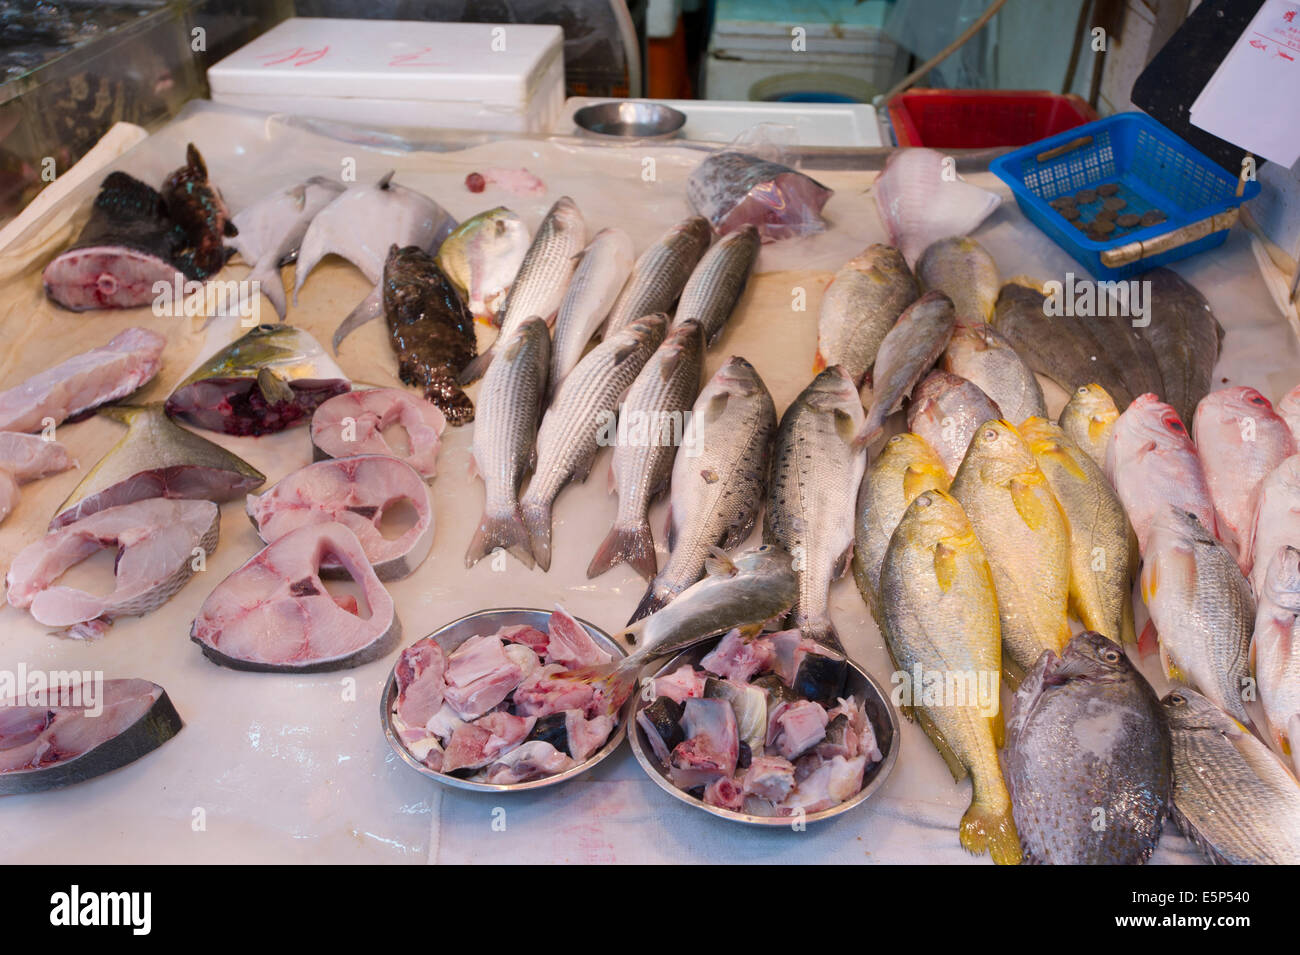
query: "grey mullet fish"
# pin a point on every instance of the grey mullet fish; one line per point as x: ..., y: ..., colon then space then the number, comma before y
x: 714, y: 288
x: 718, y: 478
x: 600, y: 275
x: 542, y: 281
x: 1088, y: 758
x: 509, y: 408
x: 583, y: 412
x: 906, y: 354
x: 661, y: 273
x: 817, y: 464
x: 652, y: 426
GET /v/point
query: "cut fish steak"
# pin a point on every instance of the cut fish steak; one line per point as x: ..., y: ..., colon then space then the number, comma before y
x: 70, y: 733
x: 354, y: 423
x: 358, y: 492
x: 107, y: 373
x: 274, y: 614
x: 157, y: 541
x: 734, y: 189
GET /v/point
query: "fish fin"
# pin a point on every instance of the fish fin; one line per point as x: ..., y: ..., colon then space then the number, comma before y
x: 1127, y: 633
x: 998, y: 727
x: 1028, y: 505
x: 842, y: 564
x: 916, y: 480
x: 537, y: 520
x: 1149, y: 641
x: 269, y: 284
x: 500, y: 530
x: 819, y: 363
x: 386, y: 179
x: 718, y: 563
x: 630, y: 545
x: 273, y: 388
x: 368, y: 309
x: 1172, y: 671
x: 670, y: 534
x: 122, y: 414
x: 1057, y: 452
x: 611, y: 479
x: 992, y: 830
x: 955, y: 765
x: 478, y: 366
x: 945, y: 565
x: 1012, y: 672
x: 652, y: 601
x: 195, y: 161
x: 1288, y: 742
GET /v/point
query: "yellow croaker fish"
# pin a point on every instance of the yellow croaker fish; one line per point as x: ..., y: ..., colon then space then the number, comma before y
x: 940, y: 621
x: 1103, y: 547
x: 1088, y: 419
x: 907, y: 466
x: 1024, y: 533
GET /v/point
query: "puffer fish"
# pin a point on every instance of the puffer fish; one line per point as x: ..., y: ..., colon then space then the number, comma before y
x: 940, y: 616
x: 1088, y: 419
x: 1025, y: 535
x: 1231, y: 796
x: 1088, y: 758
x: 267, y: 380
x: 906, y: 467
x: 1103, y: 547
x: 482, y: 255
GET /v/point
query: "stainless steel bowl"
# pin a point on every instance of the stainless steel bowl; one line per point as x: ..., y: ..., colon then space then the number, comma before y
x: 630, y: 119
x: 880, y: 712
x: 451, y: 636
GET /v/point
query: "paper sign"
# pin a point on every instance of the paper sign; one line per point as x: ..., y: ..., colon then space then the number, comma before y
x: 1253, y: 99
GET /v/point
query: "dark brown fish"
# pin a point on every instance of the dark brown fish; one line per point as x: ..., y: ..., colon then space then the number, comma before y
x: 432, y: 330
x: 196, y: 207
x: 1185, y: 338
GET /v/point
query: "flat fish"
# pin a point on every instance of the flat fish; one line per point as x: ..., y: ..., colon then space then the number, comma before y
x: 129, y: 360
x: 155, y: 540
x: 1185, y: 338
x: 718, y: 281
x: 921, y: 202
x: 356, y: 492
x: 734, y: 189
x: 355, y: 421
x: 61, y: 736
x: 431, y: 330
x: 274, y: 614
x: 660, y: 274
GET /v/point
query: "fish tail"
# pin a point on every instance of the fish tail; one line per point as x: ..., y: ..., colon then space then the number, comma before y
x: 500, y: 530
x: 537, y: 521
x: 632, y: 545
x: 478, y: 366
x: 443, y: 392
x: 822, y: 631
x: 655, y: 599
x: 990, y: 828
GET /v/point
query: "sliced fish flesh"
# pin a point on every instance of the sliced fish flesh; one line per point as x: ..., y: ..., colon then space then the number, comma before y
x: 355, y: 422
x: 606, y: 263
x: 718, y: 281
x: 159, y: 544
x: 922, y: 200
x: 274, y: 613
x: 129, y: 360
x: 358, y: 492
x: 735, y: 189
x: 28, y: 457
x: 660, y: 274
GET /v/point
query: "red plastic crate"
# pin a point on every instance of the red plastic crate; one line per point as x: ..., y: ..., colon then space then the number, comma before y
x: 980, y: 119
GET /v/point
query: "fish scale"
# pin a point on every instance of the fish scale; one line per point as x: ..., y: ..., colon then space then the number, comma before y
x: 661, y: 273
x: 718, y: 281
x: 568, y: 439
x: 717, y: 491
x: 817, y: 464
x: 860, y: 306
x: 605, y: 265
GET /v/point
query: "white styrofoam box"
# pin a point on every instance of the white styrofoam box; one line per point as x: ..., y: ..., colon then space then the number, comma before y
x: 767, y: 25
x: 661, y: 18
x: 396, y: 72
x: 716, y: 121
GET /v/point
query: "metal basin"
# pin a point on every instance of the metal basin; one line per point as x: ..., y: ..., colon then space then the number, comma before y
x: 630, y: 119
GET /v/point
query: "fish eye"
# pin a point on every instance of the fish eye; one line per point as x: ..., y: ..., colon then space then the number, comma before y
x: 895, y: 439
x: 1110, y: 655
x: 924, y: 500
x: 1177, y: 699
x: 990, y: 434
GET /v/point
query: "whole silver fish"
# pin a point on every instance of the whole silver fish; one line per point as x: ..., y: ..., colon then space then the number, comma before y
x: 1276, y: 646
x: 1202, y: 607
x: 817, y: 465
x: 661, y: 273
x: 860, y: 306
x: 272, y: 229
x: 946, y: 410
x: 714, y: 288
x: 581, y: 418
x: 509, y: 408
x: 652, y: 426
x: 718, y: 480
x: 1231, y: 796
x: 604, y: 267
x: 906, y: 354
x: 1185, y: 338
x: 1088, y: 758
x: 542, y: 281
x: 983, y: 357
x: 962, y: 269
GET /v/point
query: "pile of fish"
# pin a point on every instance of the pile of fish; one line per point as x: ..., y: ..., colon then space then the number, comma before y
x: 763, y: 726
x: 504, y: 707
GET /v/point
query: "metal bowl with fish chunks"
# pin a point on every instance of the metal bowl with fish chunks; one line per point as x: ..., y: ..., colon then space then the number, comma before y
x: 483, y: 702
x: 765, y: 731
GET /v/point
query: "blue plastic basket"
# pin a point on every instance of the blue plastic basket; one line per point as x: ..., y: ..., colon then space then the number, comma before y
x: 1154, y: 170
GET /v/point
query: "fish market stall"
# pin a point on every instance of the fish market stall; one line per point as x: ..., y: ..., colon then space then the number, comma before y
x: 295, y: 766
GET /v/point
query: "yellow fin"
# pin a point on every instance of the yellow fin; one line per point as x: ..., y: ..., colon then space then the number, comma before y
x: 999, y: 728
x: 1172, y: 671
x: 1028, y: 504
x: 1055, y: 451
x: 945, y: 564
x: 919, y: 478
x: 985, y: 829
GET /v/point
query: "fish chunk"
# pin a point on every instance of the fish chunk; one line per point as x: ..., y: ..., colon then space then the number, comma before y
x: 62, y: 736
x: 274, y: 614
x: 28, y: 457
x: 570, y: 645
x: 421, y: 684
x: 921, y: 201
x: 359, y: 492
x: 532, y: 760
x: 129, y: 360
x: 156, y: 542
x: 734, y: 189
x: 480, y: 675
x: 355, y: 421
x: 711, y: 747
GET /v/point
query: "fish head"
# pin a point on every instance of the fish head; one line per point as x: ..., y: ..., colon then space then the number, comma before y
x: 1173, y: 526
x: 1282, y: 579
x: 737, y: 377
x: 916, y: 464
x: 1088, y: 656
x: 880, y: 261
x: 764, y: 560
x: 833, y: 390
x: 1188, y: 711
x: 565, y: 216
x: 696, y: 228
x: 935, y: 516
x: 1000, y: 454
x: 1094, y: 405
